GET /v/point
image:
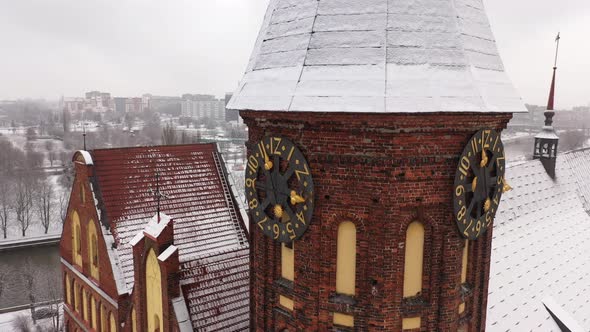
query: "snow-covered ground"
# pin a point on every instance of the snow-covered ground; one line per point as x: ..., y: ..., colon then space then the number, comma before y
x: 7, y: 320
x: 36, y: 230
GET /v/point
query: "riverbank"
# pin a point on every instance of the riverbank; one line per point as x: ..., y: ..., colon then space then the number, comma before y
x: 33, y: 241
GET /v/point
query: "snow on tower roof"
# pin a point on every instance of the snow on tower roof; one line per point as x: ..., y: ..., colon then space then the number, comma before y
x: 376, y: 56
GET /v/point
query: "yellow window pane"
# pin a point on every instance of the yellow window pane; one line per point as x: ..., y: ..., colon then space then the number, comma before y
x: 346, y: 259
x: 464, y: 262
x: 286, y: 302
x: 414, y: 257
x: 343, y: 320
x: 411, y: 323
x: 288, y: 262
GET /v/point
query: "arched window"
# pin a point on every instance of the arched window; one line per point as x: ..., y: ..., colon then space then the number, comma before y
x: 464, y: 262
x: 76, y: 240
x: 288, y: 262
x: 133, y: 320
x: 93, y: 312
x: 82, y: 193
x: 103, y: 318
x: 84, y: 305
x: 156, y: 323
x: 68, y: 291
x: 93, y: 250
x: 346, y: 259
x: 414, y: 259
x: 113, y: 323
x: 77, y: 296
x: 153, y: 289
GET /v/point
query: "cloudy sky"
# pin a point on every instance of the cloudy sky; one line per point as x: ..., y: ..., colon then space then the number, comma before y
x: 130, y: 47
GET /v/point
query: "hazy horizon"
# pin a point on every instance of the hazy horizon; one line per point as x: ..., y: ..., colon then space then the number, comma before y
x: 129, y: 48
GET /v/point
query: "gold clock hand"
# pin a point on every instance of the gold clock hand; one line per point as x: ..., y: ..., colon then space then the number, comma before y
x: 296, y: 198
x: 267, y: 163
x: 506, y: 187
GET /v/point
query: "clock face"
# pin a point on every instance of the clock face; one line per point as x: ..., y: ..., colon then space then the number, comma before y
x: 279, y: 189
x: 479, y: 183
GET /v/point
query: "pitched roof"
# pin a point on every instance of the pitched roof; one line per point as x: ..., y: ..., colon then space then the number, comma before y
x: 376, y: 56
x: 198, y: 198
x: 540, y: 247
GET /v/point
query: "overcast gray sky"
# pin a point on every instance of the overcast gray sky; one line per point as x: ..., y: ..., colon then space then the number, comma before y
x: 131, y: 47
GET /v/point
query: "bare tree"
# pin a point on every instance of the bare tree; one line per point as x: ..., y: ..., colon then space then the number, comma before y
x: 64, y: 200
x: 54, y: 296
x: 52, y: 156
x: 49, y: 145
x: 3, y: 277
x: 169, y: 135
x: 23, y: 202
x: 43, y: 200
x: 6, y: 197
x: 22, y: 323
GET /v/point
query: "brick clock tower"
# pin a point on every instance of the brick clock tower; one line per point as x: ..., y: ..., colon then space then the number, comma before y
x: 375, y: 164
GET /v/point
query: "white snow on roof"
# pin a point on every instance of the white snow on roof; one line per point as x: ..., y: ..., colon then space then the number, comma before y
x: 87, y: 157
x: 155, y: 227
x: 540, y: 247
x: 376, y: 56
x: 167, y: 253
x: 181, y: 313
x: 135, y: 240
x: 562, y: 315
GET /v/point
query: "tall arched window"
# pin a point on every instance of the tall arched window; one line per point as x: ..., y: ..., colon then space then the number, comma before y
x: 93, y: 250
x: 103, y: 318
x: 68, y: 290
x: 93, y: 312
x: 153, y: 289
x: 84, y: 305
x: 414, y: 259
x: 464, y: 262
x: 133, y: 320
x: 113, y: 322
x: 76, y: 240
x: 288, y: 262
x: 77, y: 296
x: 346, y: 259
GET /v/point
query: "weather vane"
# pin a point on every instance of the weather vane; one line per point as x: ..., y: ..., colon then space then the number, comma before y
x: 158, y: 195
x: 550, y: 102
x: 84, y: 135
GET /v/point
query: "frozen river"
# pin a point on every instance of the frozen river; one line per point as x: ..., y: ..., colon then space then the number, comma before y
x: 41, y: 263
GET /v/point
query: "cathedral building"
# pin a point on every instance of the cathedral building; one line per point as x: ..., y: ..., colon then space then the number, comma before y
x: 154, y: 241
x: 375, y: 164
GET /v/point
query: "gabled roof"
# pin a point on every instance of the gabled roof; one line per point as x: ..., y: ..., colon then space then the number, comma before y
x: 540, y: 247
x: 198, y: 198
x: 376, y: 56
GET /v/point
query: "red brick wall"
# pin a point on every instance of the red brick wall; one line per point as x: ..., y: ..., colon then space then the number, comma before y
x: 381, y: 172
x: 87, y: 212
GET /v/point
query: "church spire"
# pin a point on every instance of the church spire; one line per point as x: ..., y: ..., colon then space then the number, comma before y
x: 550, y: 102
x: 546, y: 141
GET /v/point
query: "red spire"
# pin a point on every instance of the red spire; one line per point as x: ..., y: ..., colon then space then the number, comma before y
x: 550, y: 102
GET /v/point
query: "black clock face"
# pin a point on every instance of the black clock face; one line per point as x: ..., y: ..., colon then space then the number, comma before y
x: 279, y: 189
x: 479, y: 182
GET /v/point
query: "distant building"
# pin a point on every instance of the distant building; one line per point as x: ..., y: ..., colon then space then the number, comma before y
x: 120, y: 105
x: 166, y: 104
x: 231, y: 115
x: 203, y: 106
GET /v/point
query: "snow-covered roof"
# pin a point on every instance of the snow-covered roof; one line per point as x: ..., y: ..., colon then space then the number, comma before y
x: 216, y: 288
x: 87, y: 158
x: 540, y: 247
x: 376, y: 56
x: 156, y: 225
x: 168, y: 252
x: 196, y: 196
